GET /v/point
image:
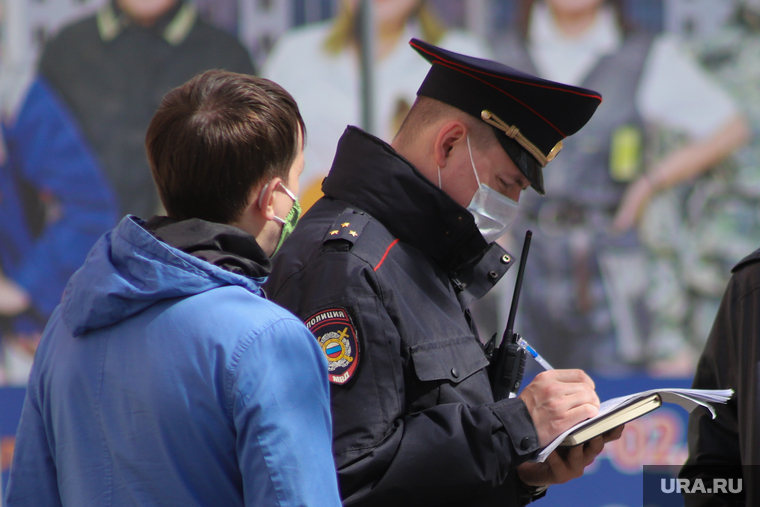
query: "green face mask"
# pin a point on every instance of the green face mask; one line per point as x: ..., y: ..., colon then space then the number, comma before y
x: 290, y: 221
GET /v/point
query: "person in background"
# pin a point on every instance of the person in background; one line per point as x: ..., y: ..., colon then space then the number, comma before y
x: 319, y: 64
x: 591, y: 302
x: 727, y: 446
x: 383, y: 268
x: 112, y: 69
x: 54, y: 201
x: 165, y: 377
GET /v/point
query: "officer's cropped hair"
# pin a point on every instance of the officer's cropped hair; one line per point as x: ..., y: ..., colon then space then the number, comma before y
x: 215, y: 138
x: 426, y: 111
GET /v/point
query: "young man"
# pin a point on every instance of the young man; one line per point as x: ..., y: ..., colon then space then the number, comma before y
x: 164, y: 377
x: 382, y: 271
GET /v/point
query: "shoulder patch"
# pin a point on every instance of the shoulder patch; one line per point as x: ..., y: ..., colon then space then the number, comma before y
x: 337, y: 336
x: 348, y: 226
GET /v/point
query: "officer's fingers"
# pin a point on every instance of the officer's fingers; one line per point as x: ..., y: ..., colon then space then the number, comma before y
x: 577, y: 414
x: 575, y: 393
x: 569, y: 376
x: 584, y: 396
x: 557, y: 468
x: 613, y: 434
x: 568, y: 467
x: 551, y: 391
x: 553, y: 415
x: 591, y: 450
x: 550, y: 424
x: 561, y: 402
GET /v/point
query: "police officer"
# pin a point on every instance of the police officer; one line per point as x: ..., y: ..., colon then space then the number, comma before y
x: 723, y: 447
x: 383, y: 268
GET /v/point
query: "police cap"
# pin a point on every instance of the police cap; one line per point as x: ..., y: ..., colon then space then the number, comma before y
x: 530, y: 115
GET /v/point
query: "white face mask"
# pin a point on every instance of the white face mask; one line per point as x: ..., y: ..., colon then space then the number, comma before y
x: 492, y: 211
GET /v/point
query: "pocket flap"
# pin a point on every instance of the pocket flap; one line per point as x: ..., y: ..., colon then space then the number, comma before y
x: 452, y: 360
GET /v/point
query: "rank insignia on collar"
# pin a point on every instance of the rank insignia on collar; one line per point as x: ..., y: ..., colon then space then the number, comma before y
x: 337, y: 337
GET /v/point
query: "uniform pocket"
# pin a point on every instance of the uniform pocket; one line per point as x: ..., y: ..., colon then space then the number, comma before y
x: 453, y: 360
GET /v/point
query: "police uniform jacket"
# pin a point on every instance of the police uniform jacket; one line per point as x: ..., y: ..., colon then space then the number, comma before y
x: 381, y: 270
x: 730, y: 360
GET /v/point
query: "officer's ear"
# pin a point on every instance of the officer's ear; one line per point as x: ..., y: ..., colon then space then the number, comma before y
x: 451, y: 133
x: 265, y: 203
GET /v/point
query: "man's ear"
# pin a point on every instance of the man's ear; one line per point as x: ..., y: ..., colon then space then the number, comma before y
x: 264, y: 206
x: 448, y: 135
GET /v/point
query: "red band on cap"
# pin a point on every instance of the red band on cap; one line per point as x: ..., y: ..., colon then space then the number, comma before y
x: 438, y: 57
x: 526, y: 106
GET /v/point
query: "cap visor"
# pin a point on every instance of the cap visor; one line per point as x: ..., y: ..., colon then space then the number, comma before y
x: 524, y: 161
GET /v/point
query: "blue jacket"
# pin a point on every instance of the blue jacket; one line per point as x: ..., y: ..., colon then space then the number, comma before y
x: 162, y: 379
x: 47, y: 155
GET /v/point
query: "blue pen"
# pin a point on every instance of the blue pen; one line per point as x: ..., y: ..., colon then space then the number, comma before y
x: 530, y: 350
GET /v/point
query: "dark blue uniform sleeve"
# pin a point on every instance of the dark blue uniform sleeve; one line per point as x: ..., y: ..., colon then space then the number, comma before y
x: 46, y: 150
x: 396, y: 440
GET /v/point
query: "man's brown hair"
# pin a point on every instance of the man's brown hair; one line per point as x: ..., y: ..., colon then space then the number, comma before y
x: 216, y: 137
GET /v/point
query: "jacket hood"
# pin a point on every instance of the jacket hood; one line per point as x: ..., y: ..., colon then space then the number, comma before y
x: 129, y: 270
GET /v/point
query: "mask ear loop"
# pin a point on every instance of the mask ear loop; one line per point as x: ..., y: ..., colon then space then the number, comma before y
x: 287, y: 191
x: 261, y: 194
x: 261, y: 199
x: 439, y: 177
x: 472, y: 161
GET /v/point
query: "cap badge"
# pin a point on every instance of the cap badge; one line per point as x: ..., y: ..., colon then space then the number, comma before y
x: 514, y: 132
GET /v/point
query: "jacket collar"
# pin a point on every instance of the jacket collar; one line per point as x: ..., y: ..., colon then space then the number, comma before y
x: 173, y: 27
x: 222, y: 245
x: 370, y: 175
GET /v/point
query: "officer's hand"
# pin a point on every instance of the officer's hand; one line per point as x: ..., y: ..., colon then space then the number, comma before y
x: 565, y: 464
x: 558, y: 400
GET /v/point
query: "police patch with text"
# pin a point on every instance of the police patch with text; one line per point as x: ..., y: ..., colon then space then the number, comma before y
x: 337, y: 336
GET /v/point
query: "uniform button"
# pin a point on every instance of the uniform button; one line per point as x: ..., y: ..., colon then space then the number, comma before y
x: 525, y: 443
x: 493, y: 275
x: 454, y: 373
x: 505, y: 259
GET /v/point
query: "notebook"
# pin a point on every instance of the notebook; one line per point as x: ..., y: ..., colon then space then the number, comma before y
x: 617, y: 411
